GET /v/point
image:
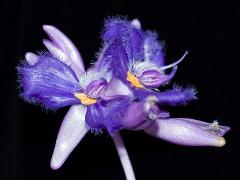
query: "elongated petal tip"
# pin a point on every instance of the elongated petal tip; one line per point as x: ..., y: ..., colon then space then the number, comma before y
x: 31, y: 58
x: 48, y: 27
x: 72, y: 130
x: 60, y: 40
x: 221, y: 141
x: 56, y: 164
x: 60, y: 155
x: 136, y: 23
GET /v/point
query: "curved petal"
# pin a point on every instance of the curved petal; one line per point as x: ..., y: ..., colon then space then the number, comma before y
x: 55, y: 51
x: 31, y: 58
x: 115, y: 88
x: 66, y: 45
x: 187, y: 131
x: 127, y: 44
x: 71, y: 132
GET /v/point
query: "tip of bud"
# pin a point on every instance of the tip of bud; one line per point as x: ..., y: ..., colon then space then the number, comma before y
x: 48, y: 27
x: 136, y: 23
x: 54, y: 165
x: 221, y: 142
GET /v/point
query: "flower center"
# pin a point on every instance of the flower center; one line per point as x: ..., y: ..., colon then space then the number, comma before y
x: 134, y: 80
x: 86, y: 100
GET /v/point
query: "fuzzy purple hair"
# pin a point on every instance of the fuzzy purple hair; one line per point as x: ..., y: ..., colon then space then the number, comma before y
x: 49, y: 82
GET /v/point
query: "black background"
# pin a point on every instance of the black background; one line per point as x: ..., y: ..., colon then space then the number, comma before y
x: 205, y: 28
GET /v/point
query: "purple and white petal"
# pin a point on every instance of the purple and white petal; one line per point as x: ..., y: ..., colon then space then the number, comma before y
x: 49, y: 82
x: 115, y: 89
x: 153, y: 79
x: 95, y: 87
x: 153, y: 49
x: 185, y: 131
x: 66, y: 45
x: 71, y: 132
x: 56, y: 51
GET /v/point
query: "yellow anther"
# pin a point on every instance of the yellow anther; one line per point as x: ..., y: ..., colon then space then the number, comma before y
x: 134, y: 80
x: 86, y: 100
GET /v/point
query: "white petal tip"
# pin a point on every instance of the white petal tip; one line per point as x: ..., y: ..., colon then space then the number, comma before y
x: 48, y: 44
x: 54, y: 165
x: 136, y: 23
x: 45, y: 41
x: 31, y: 58
x: 60, y: 154
x: 28, y: 55
x: 221, y: 142
x: 48, y: 27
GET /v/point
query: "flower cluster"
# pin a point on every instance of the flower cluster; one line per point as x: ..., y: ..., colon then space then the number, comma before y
x: 119, y: 91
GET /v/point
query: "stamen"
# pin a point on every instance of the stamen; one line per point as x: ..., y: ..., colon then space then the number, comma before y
x: 175, y: 63
x: 134, y: 80
x: 85, y: 99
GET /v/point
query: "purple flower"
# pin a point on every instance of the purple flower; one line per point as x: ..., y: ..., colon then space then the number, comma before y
x: 97, y: 100
x: 116, y: 93
x: 137, y: 59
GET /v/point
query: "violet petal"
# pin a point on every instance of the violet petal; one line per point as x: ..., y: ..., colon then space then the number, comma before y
x: 153, y: 49
x: 135, y: 115
x: 115, y: 88
x: 95, y: 87
x: 173, y: 97
x: 49, y: 82
x: 71, y: 132
x: 130, y: 37
x: 140, y: 115
x: 177, y: 96
x: 152, y: 78
x: 185, y: 131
